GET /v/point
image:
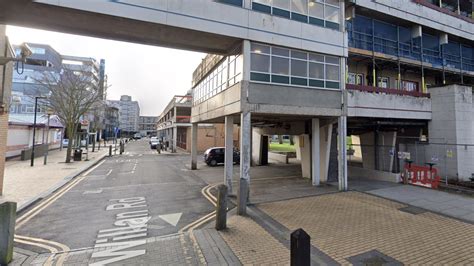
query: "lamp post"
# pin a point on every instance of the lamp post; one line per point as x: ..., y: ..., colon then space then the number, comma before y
x: 32, y: 162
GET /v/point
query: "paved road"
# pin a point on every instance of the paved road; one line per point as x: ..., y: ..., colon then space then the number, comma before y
x: 135, y: 196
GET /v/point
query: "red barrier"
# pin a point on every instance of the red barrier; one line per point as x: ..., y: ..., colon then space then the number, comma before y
x: 422, y: 176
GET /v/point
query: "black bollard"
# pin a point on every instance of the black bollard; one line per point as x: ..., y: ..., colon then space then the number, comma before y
x: 300, y: 248
x: 110, y: 150
x: 221, y: 208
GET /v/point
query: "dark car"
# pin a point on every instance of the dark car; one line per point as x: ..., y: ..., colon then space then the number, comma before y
x: 216, y: 155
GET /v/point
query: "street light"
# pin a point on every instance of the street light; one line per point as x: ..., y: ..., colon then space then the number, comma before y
x: 49, y: 112
x: 32, y: 162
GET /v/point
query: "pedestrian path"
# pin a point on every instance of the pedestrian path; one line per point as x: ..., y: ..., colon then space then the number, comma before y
x: 25, y: 184
x: 453, y: 205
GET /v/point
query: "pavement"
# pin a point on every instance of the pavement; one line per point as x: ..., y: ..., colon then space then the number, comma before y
x: 150, y: 209
x: 25, y: 184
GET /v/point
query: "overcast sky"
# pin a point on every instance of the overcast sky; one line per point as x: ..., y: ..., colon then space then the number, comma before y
x: 150, y: 74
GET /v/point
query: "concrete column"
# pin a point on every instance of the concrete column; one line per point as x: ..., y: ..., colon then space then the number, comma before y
x: 342, y: 133
x: 325, y: 150
x: 229, y: 156
x: 194, y: 138
x: 6, y: 72
x: 246, y: 60
x: 367, y: 144
x: 245, y: 158
x: 256, y: 147
x: 175, y: 139
x: 315, y: 150
x: 305, y: 151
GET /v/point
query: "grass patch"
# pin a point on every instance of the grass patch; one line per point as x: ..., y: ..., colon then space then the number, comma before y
x: 285, y: 147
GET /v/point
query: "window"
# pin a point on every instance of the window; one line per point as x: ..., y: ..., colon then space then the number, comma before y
x: 356, y: 79
x: 383, y: 82
x: 324, y: 13
x: 299, y: 68
x: 409, y: 85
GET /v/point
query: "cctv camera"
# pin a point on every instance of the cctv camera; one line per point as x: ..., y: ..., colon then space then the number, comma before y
x: 25, y: 51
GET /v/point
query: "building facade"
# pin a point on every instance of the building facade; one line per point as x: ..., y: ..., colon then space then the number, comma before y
x: 147, y: 125
x: 112, y: 122
x: 174, y: 127
x: 129, y: 113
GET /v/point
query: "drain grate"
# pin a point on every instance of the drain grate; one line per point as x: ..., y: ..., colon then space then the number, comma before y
x: 413, y: 210
x: 373, y: 258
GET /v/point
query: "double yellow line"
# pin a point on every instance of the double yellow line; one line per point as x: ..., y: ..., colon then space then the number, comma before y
x: 52, y: 246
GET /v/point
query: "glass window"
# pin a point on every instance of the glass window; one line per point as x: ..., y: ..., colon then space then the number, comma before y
x: 332, y: 2
x: 316, y: 57
x: 316, y: 9
x: 280, y: 51
x: 332, y: 72
x: 299, y: 6
x: 300, y: 55
x: 280, y: 65
x: 332, y: 14
x: 258, y: 48
x: 332, y: 60
x: 260, y: 63
x: 316, y: 70
x: 299, y: 68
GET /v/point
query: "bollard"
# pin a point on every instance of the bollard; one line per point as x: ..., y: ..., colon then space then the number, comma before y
x: 120, y: 147
x: 300, y: 248
x: 7, y: 231
x: 221, y: 208
x: 110, y: 150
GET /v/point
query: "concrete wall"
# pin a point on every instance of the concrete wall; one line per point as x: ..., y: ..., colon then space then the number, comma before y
x: 207, y: 16
x: 20, y: 138
x: 225, y: 103
x: 453, y: 123
x: 210, y: 136
x: 408, y: 10
x: 359, y: 172
x: 368, y: 104
x: 277, y: 99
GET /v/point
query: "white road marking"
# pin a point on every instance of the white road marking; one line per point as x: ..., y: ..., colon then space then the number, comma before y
x: 172, y: 218
x: 109, y: 172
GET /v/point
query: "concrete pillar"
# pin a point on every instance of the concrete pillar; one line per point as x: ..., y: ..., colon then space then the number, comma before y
x: 256, y: 147
x: 229, y: 156
x: 6, y: 72
x: 305, y: 151
x: 245, y: 158
x: 325, y: 150
x: 175, y: 139
x: 194, y: 138
x: 315, y: 150
x: 342, y: 133
x: 367, y: 145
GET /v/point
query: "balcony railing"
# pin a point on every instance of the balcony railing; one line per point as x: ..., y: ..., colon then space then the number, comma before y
x: 386, y: 91
x: 467, y: 17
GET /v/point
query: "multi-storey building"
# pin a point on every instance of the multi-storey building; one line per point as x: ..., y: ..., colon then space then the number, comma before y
x: 147, y: 125
x: 174, y: 127
x: 129, y: 113
x: 111, y: 122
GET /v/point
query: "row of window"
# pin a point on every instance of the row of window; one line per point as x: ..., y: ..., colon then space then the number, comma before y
x: 287, y: 66
x: 226, y: 74
x: 323, y: 13
x: 382, y: 82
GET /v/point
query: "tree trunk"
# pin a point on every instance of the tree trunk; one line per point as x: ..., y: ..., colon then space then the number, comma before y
x: 280, y: 139
x: 71, y: 136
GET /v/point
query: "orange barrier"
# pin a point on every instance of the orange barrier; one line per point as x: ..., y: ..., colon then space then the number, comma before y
x: 422, y: 176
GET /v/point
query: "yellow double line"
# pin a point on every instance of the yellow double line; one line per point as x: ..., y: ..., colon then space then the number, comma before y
x: 52, y: 246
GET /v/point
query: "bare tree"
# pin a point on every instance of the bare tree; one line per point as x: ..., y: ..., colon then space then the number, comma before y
x: 72, y: 94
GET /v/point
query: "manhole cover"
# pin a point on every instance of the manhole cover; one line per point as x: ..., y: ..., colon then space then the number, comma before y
x: 373, y: 258
x: 413, y: 210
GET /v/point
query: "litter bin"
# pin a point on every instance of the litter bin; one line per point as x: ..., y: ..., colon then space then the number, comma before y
x: 77, y: 154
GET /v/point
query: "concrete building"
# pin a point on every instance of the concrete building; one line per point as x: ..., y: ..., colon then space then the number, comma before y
x: 281, y: 67
x: 147, y: 125
x: 174, y: 127
x: 129, y: 113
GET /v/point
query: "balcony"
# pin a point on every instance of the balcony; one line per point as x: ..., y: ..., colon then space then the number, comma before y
x: 366, y: 101
x: 464, y: 11
x: 183, y: 119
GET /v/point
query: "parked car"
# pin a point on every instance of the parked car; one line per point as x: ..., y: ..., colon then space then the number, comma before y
x: 216, y: 155
x: 65, y: 143
x: 137, y: 136
x: 154, y: 142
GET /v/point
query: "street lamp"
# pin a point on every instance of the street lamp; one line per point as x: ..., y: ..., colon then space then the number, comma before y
x: 32, y: 162
x: 49, y: 112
